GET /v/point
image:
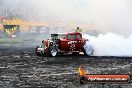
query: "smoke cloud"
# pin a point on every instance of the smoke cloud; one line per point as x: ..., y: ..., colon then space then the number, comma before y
x: 111, y: 44
x: 106, y: 15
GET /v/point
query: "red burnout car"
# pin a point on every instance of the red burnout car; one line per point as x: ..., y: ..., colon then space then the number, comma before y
x: 64, y: 43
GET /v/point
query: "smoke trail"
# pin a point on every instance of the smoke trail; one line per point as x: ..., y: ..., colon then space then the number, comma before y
x: 111, y: 44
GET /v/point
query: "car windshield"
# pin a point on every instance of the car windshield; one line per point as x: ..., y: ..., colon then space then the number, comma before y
x: 72, y: 36
x: 62, y: 36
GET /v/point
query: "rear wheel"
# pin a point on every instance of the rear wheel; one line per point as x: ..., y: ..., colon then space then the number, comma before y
x: 85, y: 54
x: 87, y: 49
x: 37, y: 53
x: 88, y: 52
x: 40, y: 53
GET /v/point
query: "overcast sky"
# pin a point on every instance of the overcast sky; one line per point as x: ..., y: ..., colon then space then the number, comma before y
x: 108, y: 15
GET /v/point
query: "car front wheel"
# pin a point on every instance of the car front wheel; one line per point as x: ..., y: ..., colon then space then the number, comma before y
x: 52, y: 51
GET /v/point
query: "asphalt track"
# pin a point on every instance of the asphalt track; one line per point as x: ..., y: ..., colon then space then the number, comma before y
x: 21, y: 68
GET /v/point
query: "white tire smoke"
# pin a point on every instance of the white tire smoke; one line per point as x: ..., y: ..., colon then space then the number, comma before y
x: 110, y: 44
x: 88, y: 48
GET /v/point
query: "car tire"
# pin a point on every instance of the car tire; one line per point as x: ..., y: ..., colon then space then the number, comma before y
x: 38, y: 54
x: 85, y: 54
x: 52, y: 51
x: 87, y: 50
